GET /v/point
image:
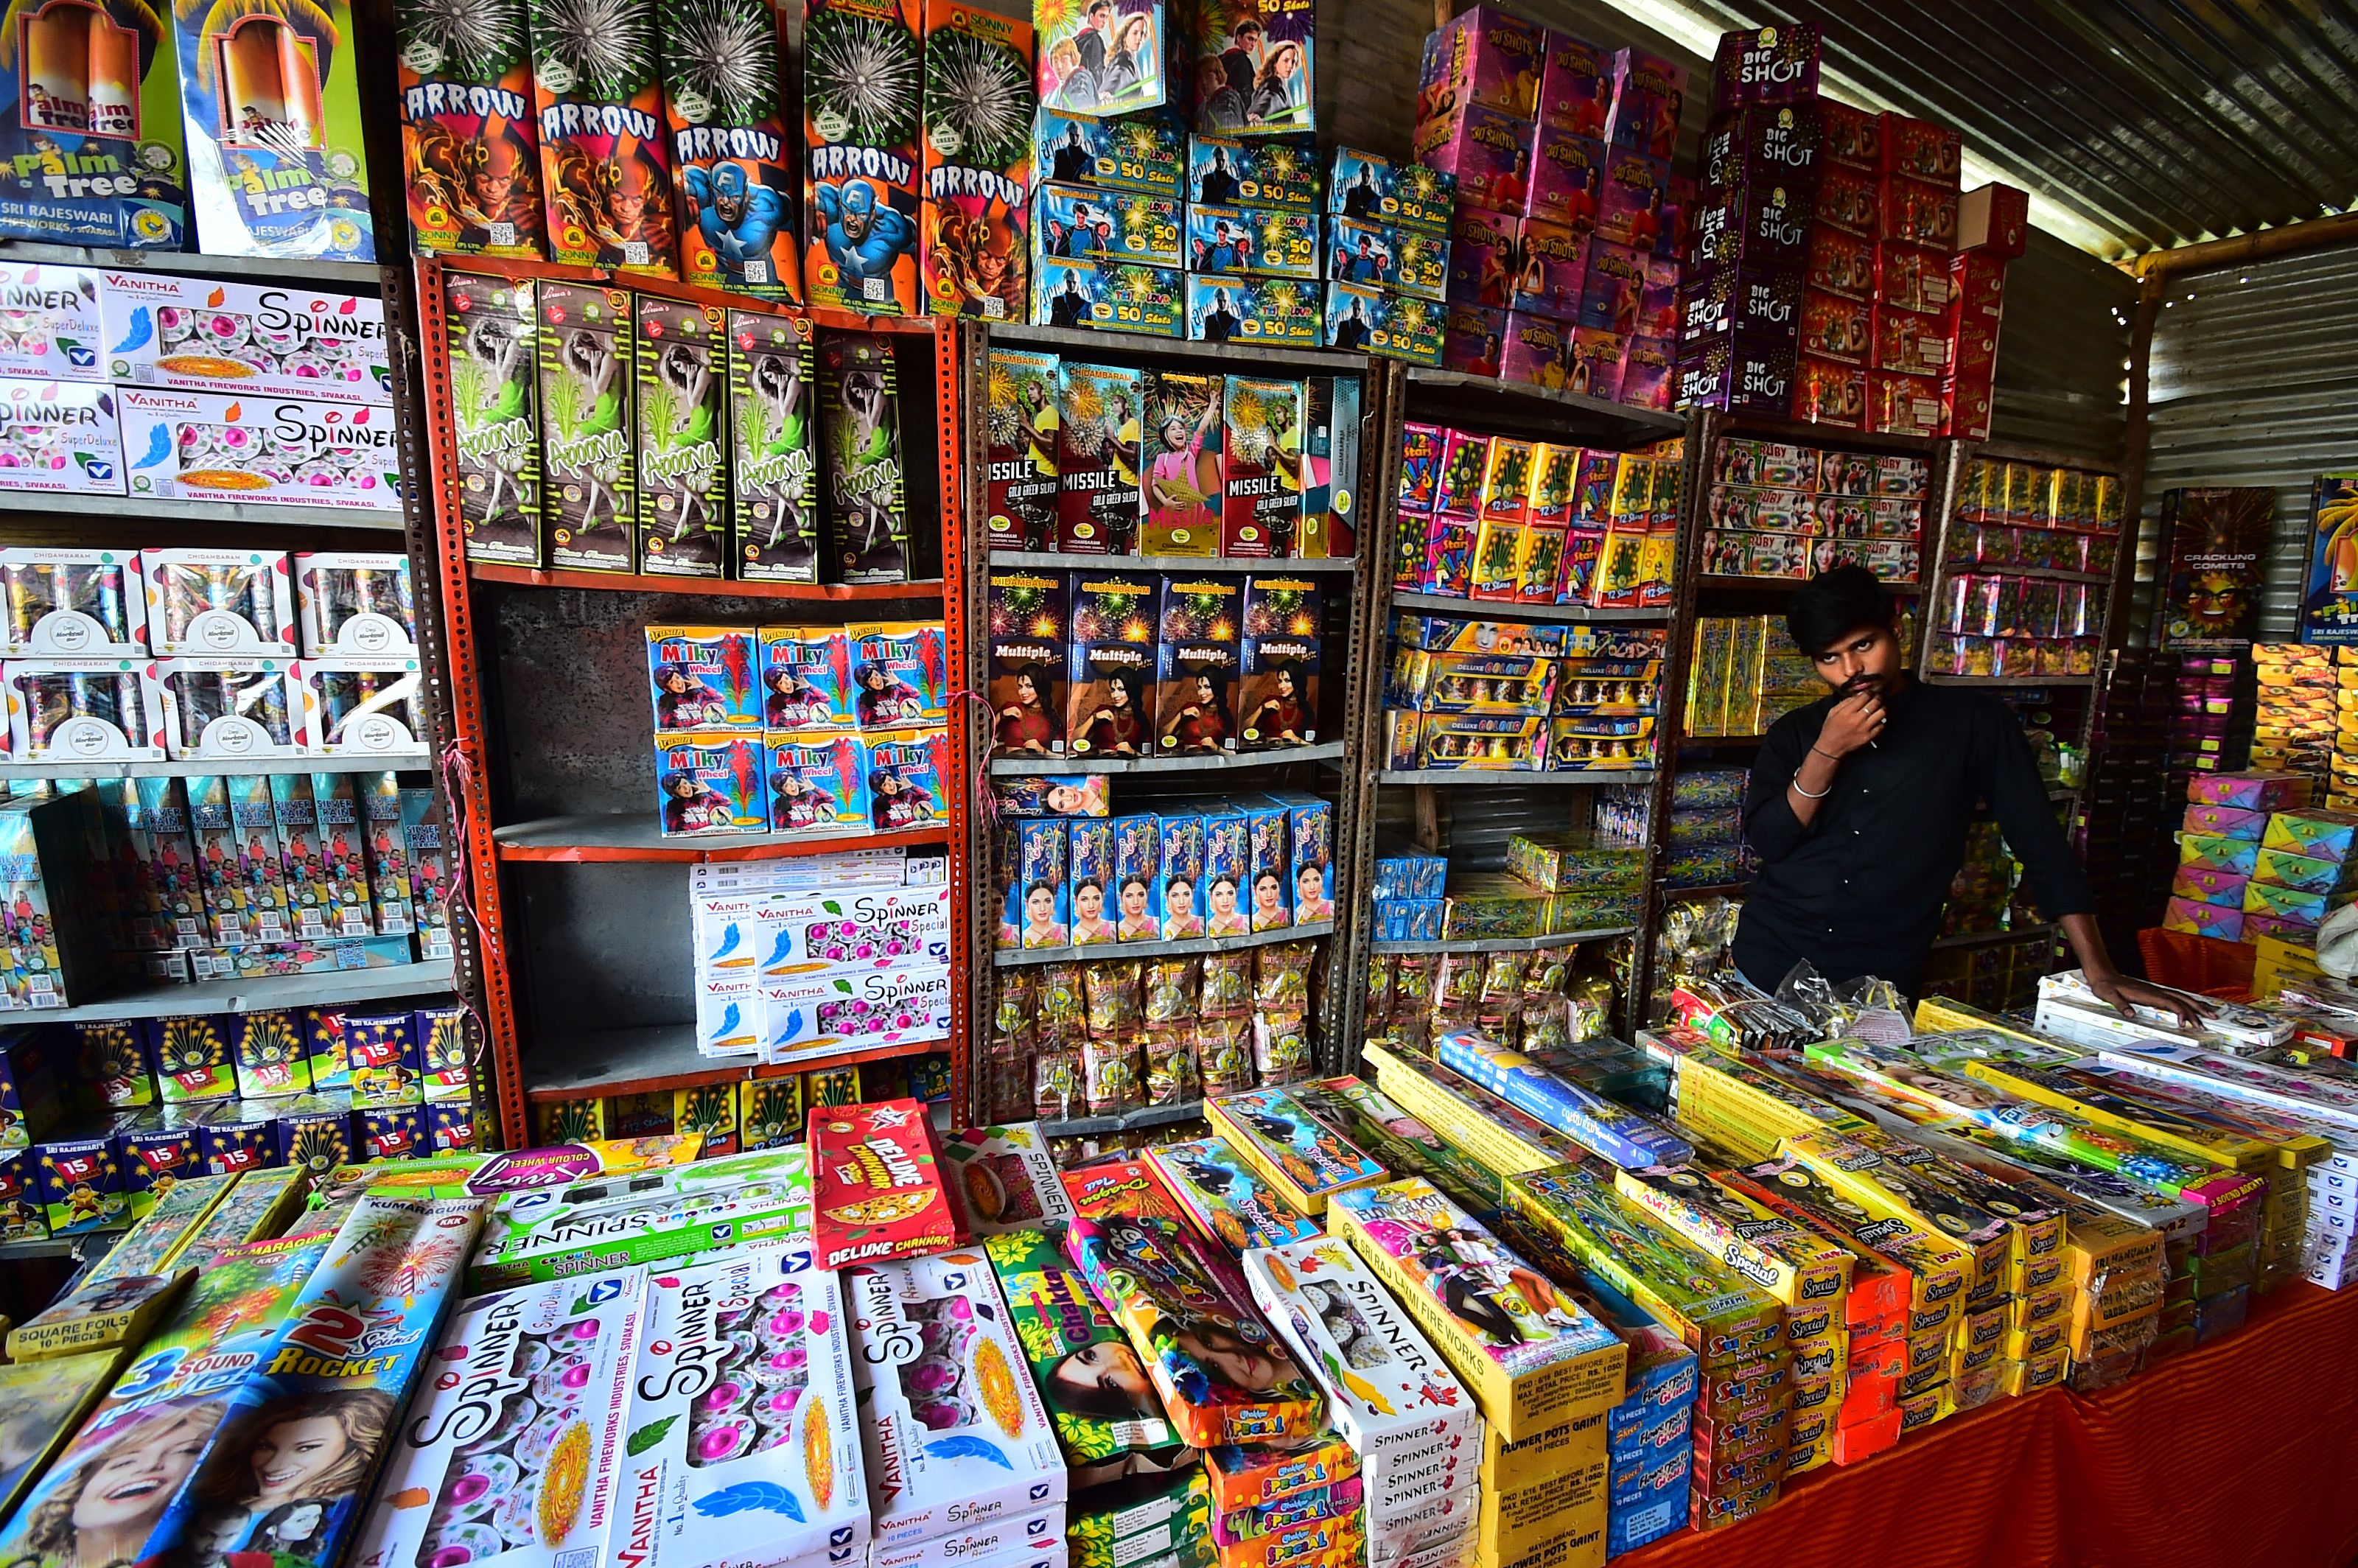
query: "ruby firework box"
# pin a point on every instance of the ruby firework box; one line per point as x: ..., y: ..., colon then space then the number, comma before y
x: 773, y: 493
x: 1253, y: 66
x: 1262, y: 514
x: 1277, y: 691
x: 859, y: 423
x: 589, y: 480
x: 1252, y: 171
x: 876, y: 1192
x: 1186, y: 456
x: 1022, y: 423
x: 470, y: 134
x: 972, y: 250
x: 1027, y: 629
x: 1111, y: 662
x: 1195, y: 675
x: 605, y: 153
x: 862, y: 81
x: 105, y: 106
x: 1100, y: 459
x: 682, y: 372
x: 735, y: 178
x: 492, y: 339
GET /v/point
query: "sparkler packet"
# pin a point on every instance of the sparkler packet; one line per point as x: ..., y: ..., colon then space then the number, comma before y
x: 82, y: 709
x: 491, y: 339
x: 862, y: 91
x: 683, y: 480
x: 228, y: 708
x: 977, y: 162
x: 774, y: 496
x: 81, y: 604
x: 218, y: 602
x: 589, y: 496
x: 867, y: 512
x: 605, y: 161
x: 733, y: 161
x: 361, y: 705
x: 355, y: 604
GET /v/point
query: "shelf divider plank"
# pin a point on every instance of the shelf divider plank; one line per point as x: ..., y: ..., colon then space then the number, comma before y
x: 703, y: 587
x: 638, y: 836
x: 637, y: 1061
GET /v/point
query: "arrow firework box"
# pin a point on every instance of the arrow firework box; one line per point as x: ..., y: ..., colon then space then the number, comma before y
x: 462, y: 1467
x: 93, y: 154
x: 1003, y: 1179
x: 734, y: 166
x: 953, y: 1434
x: 1304, y: 1163
x: 973, y: 248
x: 605, y: 160
x: 743, y: 1444
x: 1532, y: 1358
x: 1799, y: 1268
x: 862, y: 86
x: 588, y: 475
x: 682, y: 371
x: 772, y: 491
x: 1100, y: 460
x: 270, y: 101
x: 1222, y: 1375
x: 470, y: 136
x: 876, y: 1192
x: 1224, y: 1196
x: 492, y: 336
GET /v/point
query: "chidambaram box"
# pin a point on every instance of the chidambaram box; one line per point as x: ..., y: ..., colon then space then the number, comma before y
x: 1887, y: 1189
x: 1933, y: 1268
x: 1532, y: 1356
x: 1504, y: 1139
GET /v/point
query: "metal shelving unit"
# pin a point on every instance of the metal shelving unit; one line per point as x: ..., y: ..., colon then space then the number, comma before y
x: 371, y: 762
x: 265, y: 269
x: 1050, y: 560
x: 1432, y: 778
x: 1183, y: 947
x: 329, y: 988
x: 635, y: 1061
x: 1514, y: 609
x: 141, y: 508
x: 704, y: 588
x: 1507, y: 944
x: 637, y: 835
x: 1218, y: 762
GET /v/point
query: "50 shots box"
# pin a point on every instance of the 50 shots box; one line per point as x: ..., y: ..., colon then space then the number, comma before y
x: 1111, y: 296
x: 1363, y: 320
x: 1137, y: 152
x: 1084, y: 223
x: 1222, y: 308
x: 1252, y: 171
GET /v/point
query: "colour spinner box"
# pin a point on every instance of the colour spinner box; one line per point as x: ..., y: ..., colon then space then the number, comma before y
x: 276, y: 451
x: 1534, y: 1358
x: 1226, y: 1197
x: 875, y: 1190
x: 60, y: 437
x: 568, y: 1346
x: 681, y: 1496
x: 953, y: 1432
x: 191, y: 333
x: 1003, y: 1179
x: 1304, y: 1164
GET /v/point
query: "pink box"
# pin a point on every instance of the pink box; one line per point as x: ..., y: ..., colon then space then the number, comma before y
x: 1646, y: 372
x: 1539, y: 350
x: 1489, y: 152
x: 1649, y: 95
x: 1482, y: 257
x: 1487, y: 58
x: 1554, y: 263
x: 1567, y: 178
x: 1766, y: 65
x: 1596, y: 362
x: 2258, y: 925
x: 2210, y: 885
x: 2197, y: 918
x: 1629, y: 205
x: 1576, y: 86
x: 1448, y: 558
x: 1613, y: 289
x: 2226, y: 821
x: 1658, y: 307
x: 2258, y: 790
x: 1474, y: 340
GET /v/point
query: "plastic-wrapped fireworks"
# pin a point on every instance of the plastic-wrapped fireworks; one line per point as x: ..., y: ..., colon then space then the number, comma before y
x: 218, y: 602
x: 355, y: 604
x: 74, y: 602
x: 196, y: 446
x: 353, y: 705
x: 1111, y: 1067
x: 85, y: 709
x: 1224, y: 1051
x: 229, y: 707
x: 1282, y: 1051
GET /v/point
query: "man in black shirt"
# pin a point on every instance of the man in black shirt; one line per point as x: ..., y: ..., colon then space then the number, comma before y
x: 1859, y: 803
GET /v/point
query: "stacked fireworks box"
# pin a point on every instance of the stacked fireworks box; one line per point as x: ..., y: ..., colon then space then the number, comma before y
x: 1250, y: 240
x: 2295, y: 724
x: 2227, y: 816
x: 1093, y: 174
x: 1563, y: 265
x: 1778, y: 510
x: 1575, y: 698
x: 1386, y: 250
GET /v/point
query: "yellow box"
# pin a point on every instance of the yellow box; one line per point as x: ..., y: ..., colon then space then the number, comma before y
x: 1572, y: 1549
x: 2274, y: 961
x: 1792, y: 1264
x: 1886, y: 1190
x: 1485, y: 1127
x: 1508, y: 1524
x: 1824, y: 1357
x: 1918, y: 1411
x: 1806, y: 1457
x: 2051, y: 1086
x: 1543, y: 1454
x: 2039, y: 1372
x: 2024, y: 1343
x: 2037, y: 1307
x: 116, y: 1313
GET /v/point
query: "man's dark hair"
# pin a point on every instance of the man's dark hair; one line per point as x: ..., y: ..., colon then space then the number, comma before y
x: 1841, y: 599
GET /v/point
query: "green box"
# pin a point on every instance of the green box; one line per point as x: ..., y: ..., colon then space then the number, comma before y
x: 1175, y: 1522
x: 194, y: 1061
x: 595, y: 1227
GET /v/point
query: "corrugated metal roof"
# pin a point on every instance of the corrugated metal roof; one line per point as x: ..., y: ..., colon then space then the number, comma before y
x: 2158, y: 122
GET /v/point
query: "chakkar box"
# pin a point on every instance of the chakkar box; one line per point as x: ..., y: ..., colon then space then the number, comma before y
x: 876, y: 1192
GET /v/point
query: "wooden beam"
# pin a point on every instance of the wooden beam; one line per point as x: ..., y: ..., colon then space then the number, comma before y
x: 2314, y: 234
x: 2135, y: 431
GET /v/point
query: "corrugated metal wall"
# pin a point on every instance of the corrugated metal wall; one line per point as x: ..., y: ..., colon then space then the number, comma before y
x: 2255, y: 381
x: 2063, y: 352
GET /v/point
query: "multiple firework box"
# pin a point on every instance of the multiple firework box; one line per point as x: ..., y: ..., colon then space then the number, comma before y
x: 1563, y: 267
x: 201, y: 654
x: 1782, y: 510
x: 603, y: 430
x: 1834, y: 275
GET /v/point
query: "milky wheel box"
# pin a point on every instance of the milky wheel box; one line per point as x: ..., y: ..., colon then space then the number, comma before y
x: 955, y: 1434
x: 277, y: 451
x: 468, y: 1476
x: 743, y: 1447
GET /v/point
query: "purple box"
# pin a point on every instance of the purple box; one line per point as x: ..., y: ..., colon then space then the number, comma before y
x: 1596, y: 357
x: 1482, y: 246
x: 1657, y: 308
x: 1614, y: 287
x: 1567, y: 178
x: 1648, y: 368
x: 1763, y: 145
x: 1489, y: 152
x: 1629, y: 205
x: 1752, y: 223
x: 1677, y: 218
x: 1766, y: 65
x: 1487, y: 58
x: 1739, y: 372
x: 1648, y: 94
x: 1553, y: 263
x: 1539, y: 350
x: 1575, y: 87
x: 1472, y: 340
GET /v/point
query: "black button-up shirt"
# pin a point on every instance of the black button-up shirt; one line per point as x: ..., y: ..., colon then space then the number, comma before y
x: 1859, y: 891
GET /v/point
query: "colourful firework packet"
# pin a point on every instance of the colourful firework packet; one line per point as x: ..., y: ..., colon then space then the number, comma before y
x: 1302, y: 1160
x: 773, y: 493
x: 1003, y: 1179
x: 1229, y: 1203
x: 470, y: 142
x: 867, y: 511
x: 683, y: 473
x: 977, y: 162
x: 730, y: 146
x: 1103, y: 57
x: 702, y: 678
x: 709, y: 781
x: 863, y: 76
x: 1223, y: 1376
x: 605, y: 161
x: 493, y: 342
x: 1252, y: 73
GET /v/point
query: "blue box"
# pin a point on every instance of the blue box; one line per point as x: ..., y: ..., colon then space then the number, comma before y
x: 1365, y: 185
x: 1385, y: 256
x: 1364, y: 320
x: 1178, y: 901
x: 232, y: 1140
x: 1222, y: 307
x: 905, y: 779
x: 154, y: 1157
x: 1136, y: 151
x: 451, y: 1127
x: 388, y: 1067
x: 1089, y: 891
x: 1137, y: 856
x: 21, y: 1217
x: 392, y: 1132
x: 1253, y: 171
x: 806, y: 678
x: 1257, y: 241
x: 29, y: 1105
x: 1310, y: 837
x: 1109, y: 297
x: 1042, y: 856
x: 1227, y: 860
x: 710, y: 782
x: 1269, y: 887
x: 78, y: 1182
x: 315, y: 1133
x: 1401, y: 873
x: 702, y: 677
x: 817, y: 783
x: 1082, y: 223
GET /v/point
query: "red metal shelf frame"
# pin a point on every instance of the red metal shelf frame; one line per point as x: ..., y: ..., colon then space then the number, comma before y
x: 474, y: 743
x: 706, y: 588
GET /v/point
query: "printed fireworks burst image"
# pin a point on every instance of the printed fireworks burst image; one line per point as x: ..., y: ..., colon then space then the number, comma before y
x: 979, y: 99
x: 720, y: 61
x: 595, y: 49
x: 861, y: 79
x: 474, y: 41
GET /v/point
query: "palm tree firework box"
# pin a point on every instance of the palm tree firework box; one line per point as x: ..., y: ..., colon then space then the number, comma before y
x: 270, y: 100
x: 773, y: 489
x: 876, y: 1192
x: 568, y: 1349
x: 979, y: 105
x: 1222, y: 1375
x: 1137, y: 152
x: 1022, y: 424
x: 683, y: 480
x: 743, y: 1447
x: 492, y: 339
x: 1534, y: 1358
x: 469, y: 140
x: 589, y: 474
x: 605, y: 158
x: 863, y: 79
x: 731, y: 147
x: 867, y: 511
x: 954, y: 1434
x: 93, y: 152
x: 1104, y: 56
